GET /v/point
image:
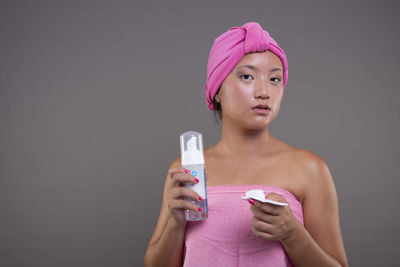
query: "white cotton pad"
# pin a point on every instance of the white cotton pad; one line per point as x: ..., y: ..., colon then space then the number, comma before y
x: 259, y: 195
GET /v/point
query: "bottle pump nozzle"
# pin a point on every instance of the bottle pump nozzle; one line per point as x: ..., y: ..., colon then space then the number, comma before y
x: 192, y: 148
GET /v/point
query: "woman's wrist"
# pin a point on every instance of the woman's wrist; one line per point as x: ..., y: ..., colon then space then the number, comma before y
x: 177, y: 226
x: 295, y: 236
x: 304, y: 251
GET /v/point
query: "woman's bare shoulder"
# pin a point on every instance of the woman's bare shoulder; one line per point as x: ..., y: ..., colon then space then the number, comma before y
x: 176, y: 162
x: 308, y: 161
x: 309, y: 169
x: 312, y: 170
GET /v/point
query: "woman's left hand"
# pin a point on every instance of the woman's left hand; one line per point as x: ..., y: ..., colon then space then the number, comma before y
x: 272, y: 222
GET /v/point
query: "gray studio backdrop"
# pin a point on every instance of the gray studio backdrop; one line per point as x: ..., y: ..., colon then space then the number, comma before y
x: 94, y: 95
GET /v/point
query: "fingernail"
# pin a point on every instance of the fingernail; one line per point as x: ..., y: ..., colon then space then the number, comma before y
x: 187, y: 171
x: 251, y: 201
x: 199, y: 209
x: 196, y: 180
x: 200, y: 198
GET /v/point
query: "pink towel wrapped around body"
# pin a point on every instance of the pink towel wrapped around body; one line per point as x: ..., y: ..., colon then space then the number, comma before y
x: 230, y: 47
x: 225, y: 238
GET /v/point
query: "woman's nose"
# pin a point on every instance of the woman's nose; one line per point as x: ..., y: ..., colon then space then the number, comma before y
x: 262, y: 90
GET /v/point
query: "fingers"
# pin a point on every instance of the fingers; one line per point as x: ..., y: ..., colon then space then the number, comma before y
x: 182, y: 204
x: 178, y: 176
x: 175, y: 169
x: 262, y: 226
x: 181, y: 192
x: 263, y: 231
x: 178, y: 194
x: 268, y: 208
x: 276, y: 197
x: 263, y: 216
x: 180, y: 169
x: 271, y: 208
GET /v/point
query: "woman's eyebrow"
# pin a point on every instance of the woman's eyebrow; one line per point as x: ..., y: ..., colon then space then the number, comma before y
x: 256, y: 69
x: 276, y: 69
x: 249, y: 67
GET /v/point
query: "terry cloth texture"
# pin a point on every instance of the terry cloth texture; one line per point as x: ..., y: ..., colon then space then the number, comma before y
x: 225, y: 238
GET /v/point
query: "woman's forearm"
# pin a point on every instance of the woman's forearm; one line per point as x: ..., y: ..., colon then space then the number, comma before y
x: 304, y: 251
x: 167, y: 251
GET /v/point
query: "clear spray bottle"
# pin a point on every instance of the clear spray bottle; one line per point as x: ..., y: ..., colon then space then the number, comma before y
x: 192, y: 158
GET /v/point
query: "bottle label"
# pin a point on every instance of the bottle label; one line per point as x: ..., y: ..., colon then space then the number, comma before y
x: 197, y: 171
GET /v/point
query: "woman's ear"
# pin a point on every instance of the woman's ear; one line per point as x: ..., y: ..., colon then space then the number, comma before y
x: 217, y: 98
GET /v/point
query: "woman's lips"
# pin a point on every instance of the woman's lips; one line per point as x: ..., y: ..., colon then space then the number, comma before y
x: 261, y: 110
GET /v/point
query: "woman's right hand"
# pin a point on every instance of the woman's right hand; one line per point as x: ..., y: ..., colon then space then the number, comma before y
x: 177, y: 191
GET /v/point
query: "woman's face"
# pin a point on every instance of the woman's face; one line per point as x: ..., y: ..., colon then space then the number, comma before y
x: 247, y: 87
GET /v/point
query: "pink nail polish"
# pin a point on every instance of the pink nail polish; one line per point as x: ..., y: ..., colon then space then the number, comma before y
x: 199, y: 209
x: 251, y: 201
x: 200, y: 198
x: 196, y: 180
x: 187, y: 171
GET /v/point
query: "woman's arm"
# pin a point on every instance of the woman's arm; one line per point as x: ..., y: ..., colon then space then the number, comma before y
x: 167, y: 251
x: 166, y: 245
x: 319, y: 242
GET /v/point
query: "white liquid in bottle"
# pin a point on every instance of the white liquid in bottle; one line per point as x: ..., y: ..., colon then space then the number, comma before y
x: 192, y: 158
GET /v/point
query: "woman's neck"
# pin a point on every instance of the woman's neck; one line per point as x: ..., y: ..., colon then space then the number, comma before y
x: 241, y: 143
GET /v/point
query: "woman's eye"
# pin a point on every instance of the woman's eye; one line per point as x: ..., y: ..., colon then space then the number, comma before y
x: 275, y: 79
x: 246, y: 75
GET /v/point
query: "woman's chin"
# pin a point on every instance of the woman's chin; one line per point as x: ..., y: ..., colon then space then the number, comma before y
x: 257, y: 125
x: 253, y: 122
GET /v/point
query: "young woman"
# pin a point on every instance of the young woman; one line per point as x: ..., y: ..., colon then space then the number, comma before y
x: 246, y: 77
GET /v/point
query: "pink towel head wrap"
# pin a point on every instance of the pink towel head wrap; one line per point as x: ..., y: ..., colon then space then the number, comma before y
x: 229, y: 48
